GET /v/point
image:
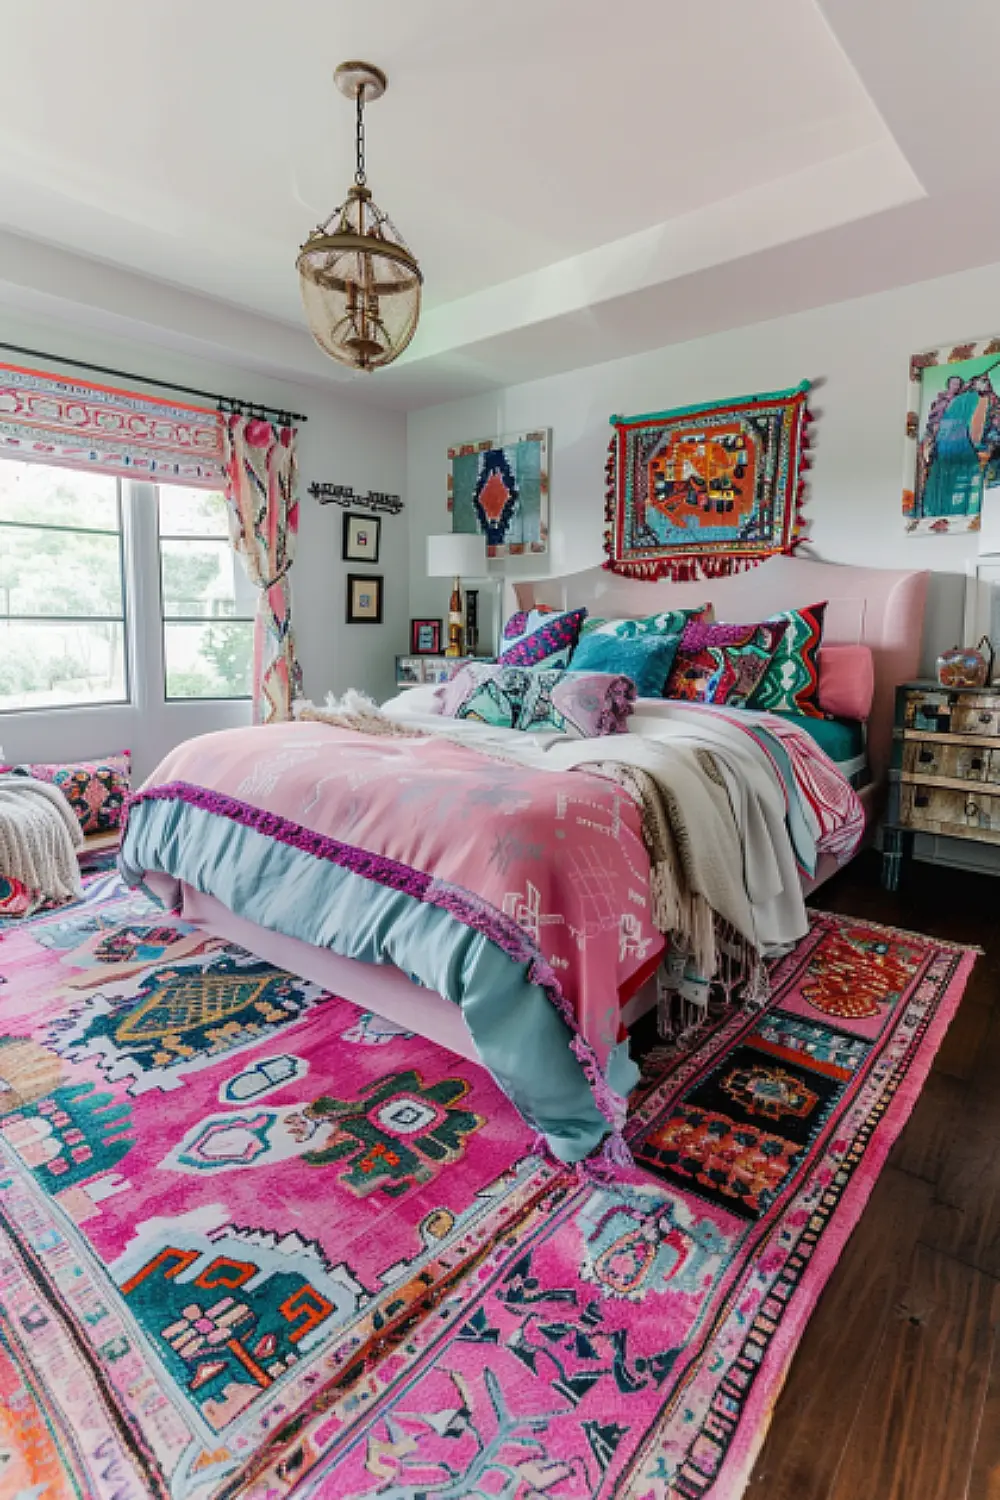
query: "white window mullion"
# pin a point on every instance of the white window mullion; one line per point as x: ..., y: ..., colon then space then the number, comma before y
x: 143, y: 585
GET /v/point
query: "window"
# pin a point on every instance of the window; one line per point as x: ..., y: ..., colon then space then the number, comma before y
x: 208, y: 601
x: 62, y: 597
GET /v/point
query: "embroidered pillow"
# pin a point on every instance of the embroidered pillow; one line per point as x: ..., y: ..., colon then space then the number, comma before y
x: 791, y: 683
x: 585, y: 705
x: 723, y: 663
x: 543, y: 635
x: 95, y: 789
x: 647, y: 659
x: 668, y: 622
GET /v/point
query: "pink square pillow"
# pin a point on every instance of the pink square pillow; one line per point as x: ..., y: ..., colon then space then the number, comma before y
x: 846, y: 681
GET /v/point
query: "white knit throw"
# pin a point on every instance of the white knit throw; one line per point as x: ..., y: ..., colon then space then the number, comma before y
x: 39, y: 837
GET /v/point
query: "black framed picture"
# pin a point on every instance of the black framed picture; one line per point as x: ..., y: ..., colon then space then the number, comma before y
x: 364, y: 600
x: 425, y: 637
x: 362, y: 538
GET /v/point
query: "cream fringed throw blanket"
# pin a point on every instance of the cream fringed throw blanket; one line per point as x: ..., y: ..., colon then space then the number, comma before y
x: 696, y: 884
x: 39, y: 837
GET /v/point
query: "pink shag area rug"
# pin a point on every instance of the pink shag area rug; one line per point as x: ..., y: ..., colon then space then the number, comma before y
x: 254, y: 1240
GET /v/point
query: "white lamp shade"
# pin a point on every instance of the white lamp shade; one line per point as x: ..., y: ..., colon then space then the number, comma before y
x: 457, y: 554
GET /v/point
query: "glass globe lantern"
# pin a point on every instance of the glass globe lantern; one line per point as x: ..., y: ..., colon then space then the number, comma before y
x: 360, y: 282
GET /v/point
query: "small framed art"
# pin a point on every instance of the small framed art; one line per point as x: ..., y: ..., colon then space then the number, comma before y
x: 362, y: 538
x: 364, y: 600
x: 425, y: 637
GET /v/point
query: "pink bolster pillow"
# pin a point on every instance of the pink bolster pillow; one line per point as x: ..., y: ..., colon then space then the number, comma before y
x: 846, y: 681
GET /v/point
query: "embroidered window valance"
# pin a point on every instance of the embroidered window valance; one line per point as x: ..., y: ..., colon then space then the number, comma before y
x: 48, y: 417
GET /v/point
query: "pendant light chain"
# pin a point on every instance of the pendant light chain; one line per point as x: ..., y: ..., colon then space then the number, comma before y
x: 359, y: 175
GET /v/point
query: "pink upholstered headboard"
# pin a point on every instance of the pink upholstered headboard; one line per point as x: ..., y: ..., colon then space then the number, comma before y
x: 873, y: 606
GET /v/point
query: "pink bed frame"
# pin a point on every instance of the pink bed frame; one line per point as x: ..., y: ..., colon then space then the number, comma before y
x: 883, y: 610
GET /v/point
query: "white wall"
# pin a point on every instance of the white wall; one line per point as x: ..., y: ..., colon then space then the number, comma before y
x: 857, y: 355
x: 343, y: 441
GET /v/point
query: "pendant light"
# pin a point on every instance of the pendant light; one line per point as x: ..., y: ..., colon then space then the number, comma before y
x: 360, y: 283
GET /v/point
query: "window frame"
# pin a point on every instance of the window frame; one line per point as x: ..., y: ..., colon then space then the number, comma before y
x: 165, y: 619
x: 125, y: 620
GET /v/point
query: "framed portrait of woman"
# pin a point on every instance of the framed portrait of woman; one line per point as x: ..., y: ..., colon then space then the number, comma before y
x: 952, y: 437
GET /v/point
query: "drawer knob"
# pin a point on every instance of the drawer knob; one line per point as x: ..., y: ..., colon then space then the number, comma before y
x: 986, y: 718
x: 925, y: 756
x: 971, y: 810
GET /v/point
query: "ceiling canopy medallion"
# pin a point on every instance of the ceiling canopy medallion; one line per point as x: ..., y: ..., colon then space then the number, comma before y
x: 360, y: 283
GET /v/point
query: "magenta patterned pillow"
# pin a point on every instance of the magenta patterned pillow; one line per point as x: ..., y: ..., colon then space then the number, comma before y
x: 95, y: 789
x: 723, y: 663
x: 542, y: 636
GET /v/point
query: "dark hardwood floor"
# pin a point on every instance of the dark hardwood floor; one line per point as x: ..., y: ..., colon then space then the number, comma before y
x: 894, y: 1393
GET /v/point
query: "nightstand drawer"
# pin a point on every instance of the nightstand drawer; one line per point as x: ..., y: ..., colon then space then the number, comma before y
x: 944, y: 810
x: 976, y: 713
x: 973, y: 763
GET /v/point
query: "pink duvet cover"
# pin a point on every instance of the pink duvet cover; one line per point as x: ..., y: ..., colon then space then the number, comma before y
x: 549, y: 865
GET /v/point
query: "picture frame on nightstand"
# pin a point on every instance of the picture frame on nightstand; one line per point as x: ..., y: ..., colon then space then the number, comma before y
x: 425, y: 637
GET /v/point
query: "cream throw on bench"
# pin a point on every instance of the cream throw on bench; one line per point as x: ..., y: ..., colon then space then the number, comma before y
x: 39, y: 837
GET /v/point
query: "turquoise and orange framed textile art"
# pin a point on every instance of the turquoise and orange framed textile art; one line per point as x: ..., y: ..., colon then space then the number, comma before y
x: 499, y: 488
x: 703, y: 491
x: 952, y: 436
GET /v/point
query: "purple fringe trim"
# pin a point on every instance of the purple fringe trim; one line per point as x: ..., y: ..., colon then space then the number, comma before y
x: 602, y: 1168
x: 471, y: 910
x: 612, y: 1106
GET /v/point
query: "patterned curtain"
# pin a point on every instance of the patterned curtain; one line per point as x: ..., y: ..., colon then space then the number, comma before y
x: 263, y: 520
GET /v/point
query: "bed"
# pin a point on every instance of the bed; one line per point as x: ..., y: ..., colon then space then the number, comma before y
x: 497, y: 897
x: 880, y: 608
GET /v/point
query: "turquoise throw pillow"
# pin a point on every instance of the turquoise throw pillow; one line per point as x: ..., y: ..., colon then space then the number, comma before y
x: 647, y: 659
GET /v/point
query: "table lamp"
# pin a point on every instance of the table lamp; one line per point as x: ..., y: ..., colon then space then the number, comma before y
x: 450, y: 556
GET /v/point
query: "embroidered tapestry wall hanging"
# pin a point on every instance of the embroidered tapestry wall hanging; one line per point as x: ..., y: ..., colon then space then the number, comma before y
x: 500, y: 487
x: 952, y: 436
x: 707, y: 490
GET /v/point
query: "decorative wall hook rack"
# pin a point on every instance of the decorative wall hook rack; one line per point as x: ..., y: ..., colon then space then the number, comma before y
x: 343, y: 494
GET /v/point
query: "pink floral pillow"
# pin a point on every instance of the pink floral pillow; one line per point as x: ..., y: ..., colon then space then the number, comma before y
x: 95, y: 789
x: 723, y: 663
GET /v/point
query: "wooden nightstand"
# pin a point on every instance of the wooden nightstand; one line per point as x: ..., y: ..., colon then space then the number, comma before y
x: 945, y: 776
x: 418, y: 671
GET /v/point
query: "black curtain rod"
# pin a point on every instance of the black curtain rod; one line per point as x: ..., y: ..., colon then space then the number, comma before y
x: 234, y: 403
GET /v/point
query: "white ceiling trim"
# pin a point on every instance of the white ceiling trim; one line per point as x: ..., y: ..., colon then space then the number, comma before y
x: 840, y: 191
